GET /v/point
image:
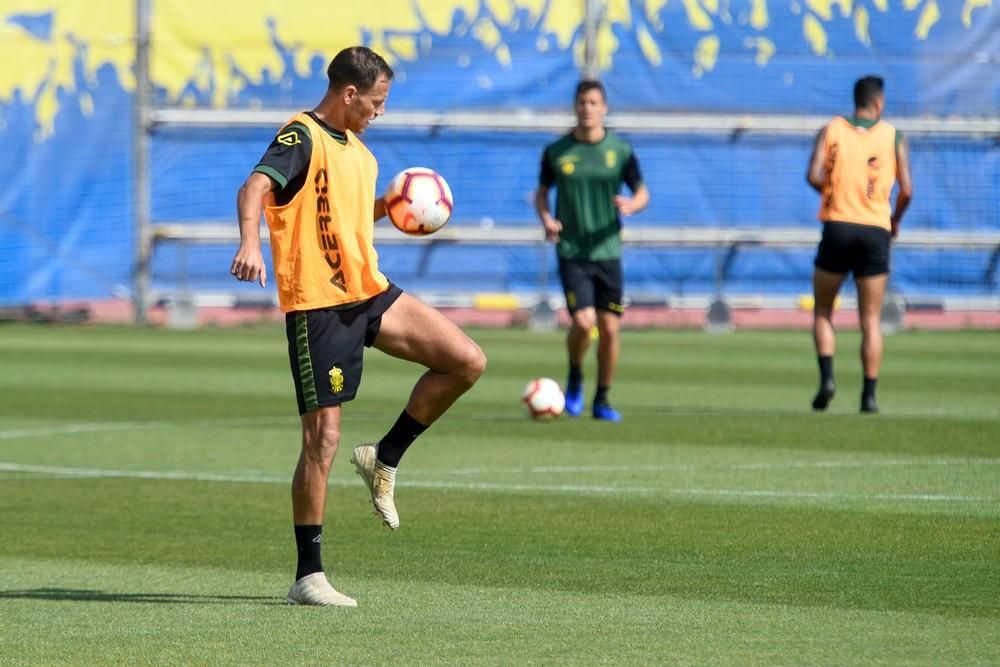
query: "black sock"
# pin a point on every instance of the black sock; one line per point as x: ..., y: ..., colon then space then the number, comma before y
x: 308, y: 540
x: 869, y: 391
x: 402, y: 434
x: 825, y: 369
x: 575, y: 377
x: 601, y: 397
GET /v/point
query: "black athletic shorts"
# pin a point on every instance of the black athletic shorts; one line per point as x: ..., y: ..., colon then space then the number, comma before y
x: 592, y: 284
x: 326, y: 349
x: 849, y: 248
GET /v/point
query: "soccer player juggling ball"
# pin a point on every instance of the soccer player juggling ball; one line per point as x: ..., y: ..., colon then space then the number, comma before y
x: 315, y: 186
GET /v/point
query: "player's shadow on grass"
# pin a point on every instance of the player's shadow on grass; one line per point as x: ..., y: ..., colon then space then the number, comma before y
x: 86, y: 595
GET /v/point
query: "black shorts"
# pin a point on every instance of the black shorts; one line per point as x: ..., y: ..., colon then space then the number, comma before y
x: 326, y: 349
x: 592, y: 284
x: 849, y: 248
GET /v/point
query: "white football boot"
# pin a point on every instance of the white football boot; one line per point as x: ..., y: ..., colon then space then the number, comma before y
x: 314, y: 589
x: 381, y: 481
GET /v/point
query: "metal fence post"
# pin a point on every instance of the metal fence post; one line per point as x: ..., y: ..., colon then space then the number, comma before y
x: 141, y: 113
x: 593, y: 12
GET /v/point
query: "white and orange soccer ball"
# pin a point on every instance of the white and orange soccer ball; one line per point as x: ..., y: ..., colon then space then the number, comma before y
x: 418, y: 201
x: 543, y: 399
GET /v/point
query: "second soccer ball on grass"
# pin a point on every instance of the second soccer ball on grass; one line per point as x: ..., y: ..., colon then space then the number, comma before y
x: 543, y: 399
x: 418, y: 201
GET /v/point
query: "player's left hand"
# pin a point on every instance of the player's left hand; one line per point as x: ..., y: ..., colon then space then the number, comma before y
x: 625, y: 205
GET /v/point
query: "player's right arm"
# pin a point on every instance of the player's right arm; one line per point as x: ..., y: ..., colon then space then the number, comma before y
x: 546, y: 179
x: 248, y: 264
x: 282, y: 169
x: 816, y: 174
x: 552, y: 226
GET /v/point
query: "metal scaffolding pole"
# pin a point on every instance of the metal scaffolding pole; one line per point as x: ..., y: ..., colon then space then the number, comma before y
x: 593, y: 13
x: 142, y: 112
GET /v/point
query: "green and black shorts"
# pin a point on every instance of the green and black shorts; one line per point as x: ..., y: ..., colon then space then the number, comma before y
x: 592, y: 284
x: 326, y: 349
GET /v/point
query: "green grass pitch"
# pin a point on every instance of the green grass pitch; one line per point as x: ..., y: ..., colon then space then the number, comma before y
x: 145, y: 512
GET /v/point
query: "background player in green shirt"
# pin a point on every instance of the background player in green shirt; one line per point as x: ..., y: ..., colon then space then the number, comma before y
x: 588, y: 167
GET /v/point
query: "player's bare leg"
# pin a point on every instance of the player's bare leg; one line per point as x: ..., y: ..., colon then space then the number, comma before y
x: 608, y: 348
x: 826, y: 286
x: 414, y: 331
x: 577, y: 343
x: 871, y: 292
x: 320, y: 438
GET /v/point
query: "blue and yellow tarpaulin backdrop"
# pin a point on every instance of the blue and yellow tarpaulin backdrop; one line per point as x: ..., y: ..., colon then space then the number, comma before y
x: 66, y: 91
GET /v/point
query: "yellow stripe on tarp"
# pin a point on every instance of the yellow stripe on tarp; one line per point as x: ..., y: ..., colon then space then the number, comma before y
x: 496, y: 301
x: 806, y: 302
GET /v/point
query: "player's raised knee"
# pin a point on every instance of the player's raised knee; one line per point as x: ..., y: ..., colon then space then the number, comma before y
x: 473, y: 363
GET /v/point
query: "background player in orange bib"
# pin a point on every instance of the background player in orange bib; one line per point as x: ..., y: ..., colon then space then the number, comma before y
x: 854, y: 165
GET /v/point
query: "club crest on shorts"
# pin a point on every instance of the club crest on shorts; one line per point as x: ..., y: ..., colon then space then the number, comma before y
x: 336, y: 380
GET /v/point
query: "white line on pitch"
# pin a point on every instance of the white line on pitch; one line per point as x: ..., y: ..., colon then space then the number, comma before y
x: 97, y: 427
x: 71, y: 429
x: 491, y: 486
x: 714, y: 466
x: 581, y: 488
x: 140, y: 474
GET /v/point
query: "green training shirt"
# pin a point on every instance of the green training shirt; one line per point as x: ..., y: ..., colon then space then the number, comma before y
x: 587, y: 177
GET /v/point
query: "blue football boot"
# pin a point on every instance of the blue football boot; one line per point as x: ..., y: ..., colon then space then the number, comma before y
x: 574, y: 400
x: 605, y: 412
